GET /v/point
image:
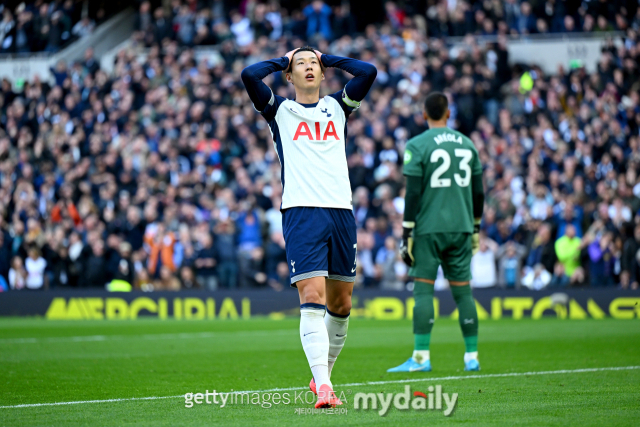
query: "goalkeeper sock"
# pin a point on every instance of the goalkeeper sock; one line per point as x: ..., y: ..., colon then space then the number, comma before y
x: 315, y: 341
x: 337, y: 325
x: 420, y: 356
x: 423, y: 318
x: 470, y: 356
x: 467, y: 316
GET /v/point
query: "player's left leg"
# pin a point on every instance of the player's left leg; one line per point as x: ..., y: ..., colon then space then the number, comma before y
x: 457, y: 268
x: 337, y: 316
x: 342, y: 275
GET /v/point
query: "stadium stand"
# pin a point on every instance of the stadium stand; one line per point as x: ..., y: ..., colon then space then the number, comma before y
x: 42, y: 26
x: 161, y: 174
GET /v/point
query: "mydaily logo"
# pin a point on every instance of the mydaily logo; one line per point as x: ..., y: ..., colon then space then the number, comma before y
x: 417, y: 401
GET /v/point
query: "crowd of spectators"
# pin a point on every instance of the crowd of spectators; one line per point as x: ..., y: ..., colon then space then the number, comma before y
x: 162, y: 175
x: 498, y: 17
x: 194, y: 22
x: 49, y: 25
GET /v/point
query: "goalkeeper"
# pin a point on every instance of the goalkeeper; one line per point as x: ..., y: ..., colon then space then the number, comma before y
x: 443, y: 209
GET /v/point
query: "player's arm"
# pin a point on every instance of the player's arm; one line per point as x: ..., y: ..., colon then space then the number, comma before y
x: 412, y: 196
x: 477, y: 192
x: 259, y: 93
x: 413, y: 169
x: 364, y: 74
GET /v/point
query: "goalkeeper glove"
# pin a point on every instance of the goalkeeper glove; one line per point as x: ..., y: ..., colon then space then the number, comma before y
x: 475, y: 238
x: 406, y: 246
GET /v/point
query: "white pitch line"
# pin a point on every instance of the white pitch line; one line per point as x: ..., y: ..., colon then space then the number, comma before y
x: 79, y: 402
x: 180, y: 335
x: 416, y: 380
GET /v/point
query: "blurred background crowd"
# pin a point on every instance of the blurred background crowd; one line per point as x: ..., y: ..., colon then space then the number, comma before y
x: 48, y: 26
x: 161, y: 175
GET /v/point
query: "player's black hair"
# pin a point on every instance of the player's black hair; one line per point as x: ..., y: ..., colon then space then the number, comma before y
x: 436, y: 105
x: 302, y: 49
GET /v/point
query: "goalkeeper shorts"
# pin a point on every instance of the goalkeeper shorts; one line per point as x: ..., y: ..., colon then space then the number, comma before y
x: 451, y: 250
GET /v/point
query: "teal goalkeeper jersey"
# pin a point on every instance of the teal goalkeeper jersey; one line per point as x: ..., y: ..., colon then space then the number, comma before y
x: 445, y: 160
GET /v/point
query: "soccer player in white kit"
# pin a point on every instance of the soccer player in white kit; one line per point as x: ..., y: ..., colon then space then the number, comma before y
x: 309, y: 134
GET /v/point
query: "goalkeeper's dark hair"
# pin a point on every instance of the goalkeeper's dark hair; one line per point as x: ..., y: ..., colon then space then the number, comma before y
x: 302, y: 49
x: 436, y: 105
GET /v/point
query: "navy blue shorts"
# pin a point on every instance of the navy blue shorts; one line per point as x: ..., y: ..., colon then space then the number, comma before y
x: 320, y: 242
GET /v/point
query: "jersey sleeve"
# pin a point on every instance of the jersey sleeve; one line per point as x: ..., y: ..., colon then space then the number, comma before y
x: 476, y: 168
x: 260, y: 94
x: 412, y: 161
x: 269, y: 112
x: 364, y: 74
x: 347, y: 105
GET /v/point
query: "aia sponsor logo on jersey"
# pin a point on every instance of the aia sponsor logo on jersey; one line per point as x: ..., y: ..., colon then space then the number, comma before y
x: 304, y: 130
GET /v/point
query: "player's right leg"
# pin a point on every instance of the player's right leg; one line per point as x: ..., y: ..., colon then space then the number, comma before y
x: 457, y: 269
x: 306, y: 237
x: 424, y: 272
x: 315, y: 338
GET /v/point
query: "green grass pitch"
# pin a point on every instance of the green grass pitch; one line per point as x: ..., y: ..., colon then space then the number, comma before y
x: 62, y: 361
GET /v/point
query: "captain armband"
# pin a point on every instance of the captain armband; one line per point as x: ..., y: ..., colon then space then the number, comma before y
x: 348, y: 101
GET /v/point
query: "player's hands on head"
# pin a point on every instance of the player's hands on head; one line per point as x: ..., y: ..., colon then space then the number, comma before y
x: 319, y: 55
x: 290, y: 55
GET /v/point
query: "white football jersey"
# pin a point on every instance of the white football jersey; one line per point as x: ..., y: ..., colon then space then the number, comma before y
x: 310, y: 142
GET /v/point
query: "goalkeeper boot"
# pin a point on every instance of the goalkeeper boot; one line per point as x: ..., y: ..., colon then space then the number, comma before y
x: 412, y: 366
x: 472, y: 365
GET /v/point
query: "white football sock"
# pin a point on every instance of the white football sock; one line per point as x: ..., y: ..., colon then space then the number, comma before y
x: 421, y: 356
x: 337, y: 329
x: 470, y: 356
x: 315, y: 342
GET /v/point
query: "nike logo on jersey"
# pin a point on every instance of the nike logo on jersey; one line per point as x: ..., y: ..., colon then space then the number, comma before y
x: 338, y: 335
x: 353, y: 270
x: 308, y: 333
x: 325, y: 112
x: 468, y: 321
x: 293, y: 111
x: 304, y: 130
